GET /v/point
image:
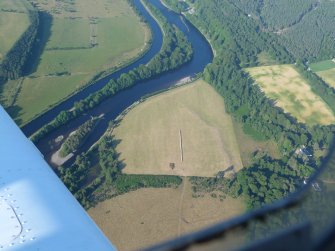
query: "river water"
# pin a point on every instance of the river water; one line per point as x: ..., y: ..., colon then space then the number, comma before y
x: 112, y: 107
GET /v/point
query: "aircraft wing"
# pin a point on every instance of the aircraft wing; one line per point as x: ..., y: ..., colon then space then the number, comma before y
x: 37, y: 212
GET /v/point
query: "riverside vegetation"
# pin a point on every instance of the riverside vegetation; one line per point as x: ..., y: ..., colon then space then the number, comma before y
x: 238, y: 44
x: 175, y: 51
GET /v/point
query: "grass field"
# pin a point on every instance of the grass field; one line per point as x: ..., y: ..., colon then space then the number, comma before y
x: 14, y: 20
x: 322, y: 66
x: 87, y: 37
x: 328, y: 76
x: 144, y: 217
x: 292, y: 93
x: 264, y: 58
x: 150, y: 134
x: 325, y: 70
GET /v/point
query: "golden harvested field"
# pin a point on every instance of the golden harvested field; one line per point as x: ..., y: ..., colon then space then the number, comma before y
x: 144, y: 217
x: 292, y: 93
x: 328, y: 76
x: 150, y: 134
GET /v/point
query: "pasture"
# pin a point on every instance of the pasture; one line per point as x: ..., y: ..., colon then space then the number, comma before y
x: 292, y: 93
x: 86, y: 38
x: 325, y: 70
x: 322, y: 66
x: 328, y: 76
x: 150, y: 134
x: 152, y: 215
x: 14, y: 20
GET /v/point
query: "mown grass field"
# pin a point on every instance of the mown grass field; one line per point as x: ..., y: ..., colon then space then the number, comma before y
x: 149, y: 134
x: 86, y: 37
x: 152, y: 215
x: 292, y: 93
x: 328, y: 76
x: 322, y: 66
x: 14, y: 20
x: 325, y: 70
x: 264, y: 58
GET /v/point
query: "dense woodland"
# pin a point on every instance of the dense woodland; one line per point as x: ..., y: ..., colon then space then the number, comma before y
x: 74, y: 141
x: 175, y: 51
x: 14, y: 63
x: 305, y: 27
x: 238, y: 40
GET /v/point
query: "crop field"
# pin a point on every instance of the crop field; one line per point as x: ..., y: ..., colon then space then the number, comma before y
x: 86, y: 37
x: 150, y: 215
x: 325, y: 70
x: 150, y: 134
x: 292, y: 93
x: 14, y: 20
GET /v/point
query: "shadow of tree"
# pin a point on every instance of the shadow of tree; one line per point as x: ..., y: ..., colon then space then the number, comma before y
x: 43, y: 36
x: 15, y: 111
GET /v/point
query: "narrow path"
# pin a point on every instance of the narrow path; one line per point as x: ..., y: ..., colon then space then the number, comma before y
x: 181, y: 147
x: 180, y: 214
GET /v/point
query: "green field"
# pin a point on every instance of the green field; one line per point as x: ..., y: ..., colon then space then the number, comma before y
x: 322, y: 66
x: 87, y: 37
x: 325, y: 70
x: 264, y: 58
x: 150, y: 134
x: 328, y: 76
x: 14, y: 20
x: 292, y: 93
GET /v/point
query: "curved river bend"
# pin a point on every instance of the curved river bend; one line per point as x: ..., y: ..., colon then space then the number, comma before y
x: 112, y: 107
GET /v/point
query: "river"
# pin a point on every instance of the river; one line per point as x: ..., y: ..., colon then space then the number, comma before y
x: 112, y: 107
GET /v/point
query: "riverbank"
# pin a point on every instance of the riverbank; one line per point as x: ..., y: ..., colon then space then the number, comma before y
x: 113, y: 106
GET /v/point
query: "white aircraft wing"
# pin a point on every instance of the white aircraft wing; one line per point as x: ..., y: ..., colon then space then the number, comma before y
x: 37, y: 212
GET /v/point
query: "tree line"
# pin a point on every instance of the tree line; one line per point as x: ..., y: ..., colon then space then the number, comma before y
x: 108, y: 180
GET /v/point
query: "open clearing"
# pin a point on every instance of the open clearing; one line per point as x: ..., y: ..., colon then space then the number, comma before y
x: 144, y: 217
x: 328, y: 76
x: 325, y: 70
x: 292, y: 93
x: 150, y: 134
x: 86, y: 38
x: 323, y: 65
x: 14, y: 20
